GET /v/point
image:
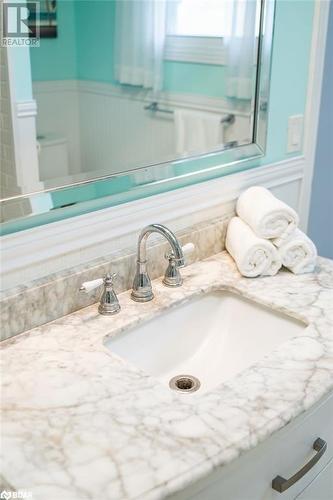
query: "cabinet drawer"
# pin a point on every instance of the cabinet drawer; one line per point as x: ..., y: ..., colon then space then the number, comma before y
x: 286, y: 452
x: 321, y: 487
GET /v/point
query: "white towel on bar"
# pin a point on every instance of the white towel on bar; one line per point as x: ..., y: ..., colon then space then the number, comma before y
x: 197, y: 131
x: 268, y: 216
x: 298, y: 253
x: 254, y: 256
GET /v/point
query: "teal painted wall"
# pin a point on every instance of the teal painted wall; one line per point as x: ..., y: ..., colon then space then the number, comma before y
x: 202, y: 79
x: 56, y: 58
x: 20, y: 62
x: 95, y: 32
x: 289, y: 76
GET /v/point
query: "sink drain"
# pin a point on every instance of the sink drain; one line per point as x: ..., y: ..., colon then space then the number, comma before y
x: 184, y: 383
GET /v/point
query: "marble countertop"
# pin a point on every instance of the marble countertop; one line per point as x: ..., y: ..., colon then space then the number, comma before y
x: 79, y: 423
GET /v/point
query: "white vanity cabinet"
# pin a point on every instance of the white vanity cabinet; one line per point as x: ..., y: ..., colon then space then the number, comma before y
x: 284, y: 454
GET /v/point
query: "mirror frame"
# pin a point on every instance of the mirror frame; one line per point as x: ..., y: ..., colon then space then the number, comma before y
x: 120, y: 188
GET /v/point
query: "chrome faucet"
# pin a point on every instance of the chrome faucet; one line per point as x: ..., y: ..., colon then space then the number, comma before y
x: 142, y: 288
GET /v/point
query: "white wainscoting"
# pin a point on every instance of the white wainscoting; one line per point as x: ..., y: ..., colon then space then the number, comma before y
x: 46, y: 249
x: 118, y: 129
x: 102, y: 122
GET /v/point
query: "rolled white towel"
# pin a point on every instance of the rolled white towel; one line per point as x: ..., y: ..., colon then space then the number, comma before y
x: 266, y: 215
x: 254, y: 256
x: 298, y: 253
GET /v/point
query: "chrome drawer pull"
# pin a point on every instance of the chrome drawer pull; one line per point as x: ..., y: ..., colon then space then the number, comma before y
x: 281, y: 484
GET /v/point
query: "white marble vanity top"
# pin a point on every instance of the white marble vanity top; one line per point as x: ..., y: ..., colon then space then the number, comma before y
x: 79, y: 423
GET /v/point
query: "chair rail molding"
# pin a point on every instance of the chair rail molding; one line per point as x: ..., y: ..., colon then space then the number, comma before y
x: 173, y: 99
x: 37, y: 252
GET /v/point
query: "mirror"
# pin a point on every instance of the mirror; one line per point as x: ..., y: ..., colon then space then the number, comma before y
x: 132, y: 92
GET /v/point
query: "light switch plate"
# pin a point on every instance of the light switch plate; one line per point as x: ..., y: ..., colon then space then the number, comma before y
x: 295, y: 133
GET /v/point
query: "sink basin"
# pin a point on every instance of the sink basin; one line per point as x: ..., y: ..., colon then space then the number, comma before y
x: 212, y: 337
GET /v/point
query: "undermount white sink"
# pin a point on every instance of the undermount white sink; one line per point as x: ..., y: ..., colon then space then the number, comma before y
x: 212, y: 337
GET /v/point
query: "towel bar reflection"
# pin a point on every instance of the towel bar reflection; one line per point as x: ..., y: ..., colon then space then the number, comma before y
x: 153, y: 106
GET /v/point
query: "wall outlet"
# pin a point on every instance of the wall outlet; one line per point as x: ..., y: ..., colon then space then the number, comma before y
x: 295, y: 133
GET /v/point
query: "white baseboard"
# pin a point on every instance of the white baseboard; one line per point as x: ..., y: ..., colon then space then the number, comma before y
x: 43, y: 250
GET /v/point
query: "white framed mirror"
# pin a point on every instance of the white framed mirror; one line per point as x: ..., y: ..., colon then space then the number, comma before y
x: 135, y: 97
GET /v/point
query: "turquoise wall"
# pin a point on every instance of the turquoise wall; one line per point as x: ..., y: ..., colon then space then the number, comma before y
x: 56, y: 58
x: 289, y: 76
x: 95, y: 23
x: 202, y: 79
x: 20, y: 62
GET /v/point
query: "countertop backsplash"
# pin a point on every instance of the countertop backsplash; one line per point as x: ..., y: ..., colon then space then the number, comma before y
x: 49, y: 298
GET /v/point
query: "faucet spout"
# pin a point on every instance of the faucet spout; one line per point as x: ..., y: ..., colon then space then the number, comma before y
x: 169, y: 236
x: 142, y: 289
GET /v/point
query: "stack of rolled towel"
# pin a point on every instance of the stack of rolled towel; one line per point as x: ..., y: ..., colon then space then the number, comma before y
x: 265, y: 236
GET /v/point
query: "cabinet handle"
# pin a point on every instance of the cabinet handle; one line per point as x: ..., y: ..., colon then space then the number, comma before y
x: 281, y: 484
